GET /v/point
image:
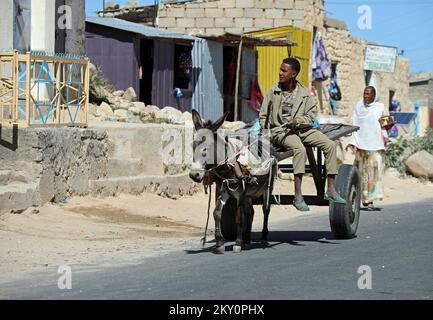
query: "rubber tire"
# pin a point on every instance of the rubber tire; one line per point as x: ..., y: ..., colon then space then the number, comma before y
x: 344, y: 218
x: 228, y: 220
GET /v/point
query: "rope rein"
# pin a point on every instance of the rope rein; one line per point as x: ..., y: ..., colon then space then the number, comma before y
x: 203, y: 240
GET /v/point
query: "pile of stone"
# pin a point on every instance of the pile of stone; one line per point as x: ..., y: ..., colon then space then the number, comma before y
x: 123, y: 106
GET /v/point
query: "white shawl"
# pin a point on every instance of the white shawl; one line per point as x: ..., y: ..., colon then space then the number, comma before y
x: 370, y: 136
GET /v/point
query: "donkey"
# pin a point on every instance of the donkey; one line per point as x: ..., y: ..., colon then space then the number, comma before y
x: 228, y: 183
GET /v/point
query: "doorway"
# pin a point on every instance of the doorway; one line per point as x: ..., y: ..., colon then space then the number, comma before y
x: 146, y: 71
x: 229, y: 62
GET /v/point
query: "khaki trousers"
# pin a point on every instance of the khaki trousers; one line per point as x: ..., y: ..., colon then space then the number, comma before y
x: 296, y: 141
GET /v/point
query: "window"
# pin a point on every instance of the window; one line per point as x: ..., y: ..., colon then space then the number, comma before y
x: 182, y: 66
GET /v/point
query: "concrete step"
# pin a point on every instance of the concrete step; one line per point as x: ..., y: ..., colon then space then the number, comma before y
x: 124, y: 167
x: 169, y: 186
x: 18, y: 196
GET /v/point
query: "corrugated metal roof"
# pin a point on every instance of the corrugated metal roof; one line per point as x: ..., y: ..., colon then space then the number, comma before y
x: 146, y: 31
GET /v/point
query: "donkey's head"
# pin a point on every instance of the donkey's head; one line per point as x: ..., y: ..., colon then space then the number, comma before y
x: 205, y: 145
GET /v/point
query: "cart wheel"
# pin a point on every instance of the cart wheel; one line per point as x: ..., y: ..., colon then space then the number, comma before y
x: 344, y: 218
x: 228, y: 220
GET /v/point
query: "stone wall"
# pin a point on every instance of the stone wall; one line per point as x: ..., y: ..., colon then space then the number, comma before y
x: 421, y: 89
x: 314, y: 16
x: 348, y: 53
x: 397, y: 81
x: 236, y: 16
x: 43, y: 165
x: 58, y: 162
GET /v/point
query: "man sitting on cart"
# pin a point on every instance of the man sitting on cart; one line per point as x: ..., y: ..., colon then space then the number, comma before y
x: 289, y: 111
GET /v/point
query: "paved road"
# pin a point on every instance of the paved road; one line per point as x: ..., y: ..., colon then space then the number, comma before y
x: 305, y: 262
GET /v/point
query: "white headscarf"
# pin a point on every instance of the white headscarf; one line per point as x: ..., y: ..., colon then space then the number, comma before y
x: 366, y: 116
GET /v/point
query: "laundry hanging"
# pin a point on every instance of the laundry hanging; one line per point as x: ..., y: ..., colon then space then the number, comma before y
x: 321, y: 65
x: 256, y: 96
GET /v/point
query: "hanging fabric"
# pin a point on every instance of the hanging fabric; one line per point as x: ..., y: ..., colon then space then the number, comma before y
x: 256, y: 96
x: 321, y: 65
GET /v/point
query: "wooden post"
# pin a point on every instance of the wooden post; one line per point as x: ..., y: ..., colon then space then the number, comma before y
x: 86, y: 88
x: 59, y: 94
x: 237, y: 79
x: 28, y: 88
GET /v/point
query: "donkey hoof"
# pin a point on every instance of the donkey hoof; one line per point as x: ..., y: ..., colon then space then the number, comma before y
x: 219, y: 250
x: 237, y: 249
x: 264, y: 242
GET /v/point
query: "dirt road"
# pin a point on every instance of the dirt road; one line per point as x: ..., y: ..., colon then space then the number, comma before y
x: 126, y: 229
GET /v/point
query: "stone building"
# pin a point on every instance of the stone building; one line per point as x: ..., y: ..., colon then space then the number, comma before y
x: 215, y: 17
x: 347, y: 54
x: 421, y: 94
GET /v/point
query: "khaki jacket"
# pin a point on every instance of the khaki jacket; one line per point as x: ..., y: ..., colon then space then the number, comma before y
x: 304, y: 110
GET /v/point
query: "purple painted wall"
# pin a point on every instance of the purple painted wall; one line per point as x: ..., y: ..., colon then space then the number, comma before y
x: 116, y: 52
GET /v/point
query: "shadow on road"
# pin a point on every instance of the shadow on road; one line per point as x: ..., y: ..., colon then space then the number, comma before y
x: 276, y: 238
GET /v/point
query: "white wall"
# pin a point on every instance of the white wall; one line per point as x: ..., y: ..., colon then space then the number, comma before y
x: 43, y: 25
x: 6, y: 24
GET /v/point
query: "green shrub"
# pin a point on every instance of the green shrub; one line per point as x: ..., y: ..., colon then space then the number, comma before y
x: 402, y: 148
x: 99, y: 87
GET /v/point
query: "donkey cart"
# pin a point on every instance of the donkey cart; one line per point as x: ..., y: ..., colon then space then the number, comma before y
x: 343, y: 218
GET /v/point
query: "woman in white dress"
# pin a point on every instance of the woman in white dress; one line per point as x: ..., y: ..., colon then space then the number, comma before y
x: 369, y: 146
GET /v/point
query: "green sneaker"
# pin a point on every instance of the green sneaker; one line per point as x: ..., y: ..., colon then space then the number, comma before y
x: 334, y: 197
x: 300, y: 204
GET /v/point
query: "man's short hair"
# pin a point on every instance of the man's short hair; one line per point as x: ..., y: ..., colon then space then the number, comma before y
x: 294, y: 63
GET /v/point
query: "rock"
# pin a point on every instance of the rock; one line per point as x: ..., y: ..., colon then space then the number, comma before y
x: 187, y: 118
x: 92, y: 109
x: 160, y: 117
x: 134, y: 119
x: 236, y: 125
x: 124, y: 105
x: 420, y: 164
x: 173, y: 115
x: 104, y: 110
x: 135, y: 111
x: 130, y: 95
x: 139, y: 105
x: 17, y: 211
x: 121, y: 113
x: 113, y: 100
x: 34, y: 211
x: 153, y: 107
x: 118, y: 93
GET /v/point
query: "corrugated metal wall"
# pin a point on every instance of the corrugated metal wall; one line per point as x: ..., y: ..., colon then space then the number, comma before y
x: 207, y: 79
x: 163, y: 74
x: 163, y: 78
x: 115, y: 52
x: 269, y: 58
x: 249, y: 74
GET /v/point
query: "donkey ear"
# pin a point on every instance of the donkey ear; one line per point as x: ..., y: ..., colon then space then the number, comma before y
x: 196, y: 119
x: 217, y: 124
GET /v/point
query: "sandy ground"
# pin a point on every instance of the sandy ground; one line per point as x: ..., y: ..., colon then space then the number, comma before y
x: 125, y: 229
